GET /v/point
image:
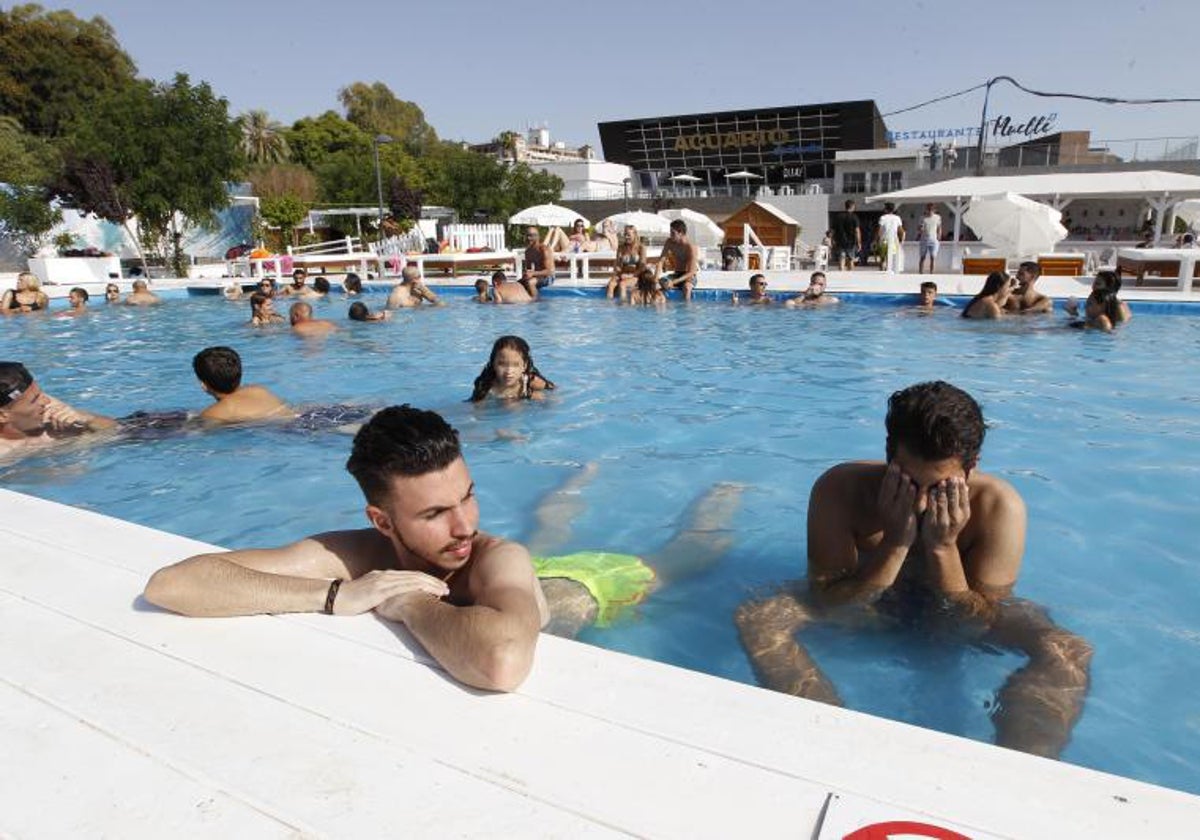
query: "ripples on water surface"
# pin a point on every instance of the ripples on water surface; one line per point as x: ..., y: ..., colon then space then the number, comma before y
x: 1100, y: 434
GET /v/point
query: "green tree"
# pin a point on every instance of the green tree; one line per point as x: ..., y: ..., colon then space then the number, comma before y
x: 26, y: 164
x: 284, y: 212
x: 284, y: 179
x: 263, y: 139
x: 477, y: 185
x: 53, y: 66
x: 157, y: 151
x: 376, y: 110
x: 315, y: 139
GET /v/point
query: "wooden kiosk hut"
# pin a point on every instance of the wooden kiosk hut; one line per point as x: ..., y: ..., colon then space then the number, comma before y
x: 772, y: 226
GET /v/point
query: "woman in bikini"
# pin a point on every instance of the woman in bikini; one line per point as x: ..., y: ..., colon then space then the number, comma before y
x: 631, y: 259
x: 26, y: 297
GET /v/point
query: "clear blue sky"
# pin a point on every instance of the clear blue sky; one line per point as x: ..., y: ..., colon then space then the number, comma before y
x: 477, y: 68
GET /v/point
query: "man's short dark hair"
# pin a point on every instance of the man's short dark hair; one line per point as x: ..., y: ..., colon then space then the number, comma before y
x: 298, y: 272
x: 321, y: 285
x: 220, y: 368
x: 928, y: 284
x: 400, y: 441
x: 1032, y: 267
x: 15, y: 380
x: 679, y: 226
x: 888, y: 207
x: 82, y: 292
x: 358, y: 311
x: 935, y: 421
x: 849, y: 203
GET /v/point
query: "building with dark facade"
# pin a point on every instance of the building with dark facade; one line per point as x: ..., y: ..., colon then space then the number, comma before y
x: 772, y: 147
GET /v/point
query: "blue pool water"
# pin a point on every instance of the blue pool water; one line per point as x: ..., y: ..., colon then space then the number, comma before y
x: 1099, y: 433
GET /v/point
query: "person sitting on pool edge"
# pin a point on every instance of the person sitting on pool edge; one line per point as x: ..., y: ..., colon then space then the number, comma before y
x: 504, y: 291
x: 814, y: 296
x: 510, y: 373
x: 925, y: 539
x: 471, y: 599
x: 410, y: 291
x: 1025, y: 299
x: 300, y: 314
x: 219, y: 370
x: 684, y: 259
x: 30, y: 418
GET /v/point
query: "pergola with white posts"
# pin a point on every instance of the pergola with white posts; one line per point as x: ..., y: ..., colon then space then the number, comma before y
x: 1161, y: 190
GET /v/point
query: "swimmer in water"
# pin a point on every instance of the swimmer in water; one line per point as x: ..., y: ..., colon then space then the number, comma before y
x: 359, y: 311
x: 596, y: 588
x: 304, y: 324
x: 262, y: 310
x: 510, y: 373
x: 924, y: 539
x: 31, y: 419
x: 219, y: 370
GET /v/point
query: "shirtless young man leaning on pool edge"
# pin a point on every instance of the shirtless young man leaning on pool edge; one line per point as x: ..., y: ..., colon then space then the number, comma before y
x: 925, y: 539
x: 469, y: 598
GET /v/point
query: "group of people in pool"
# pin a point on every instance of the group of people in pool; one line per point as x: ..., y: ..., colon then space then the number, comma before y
x: 922, y: 537
x: 27, y: 297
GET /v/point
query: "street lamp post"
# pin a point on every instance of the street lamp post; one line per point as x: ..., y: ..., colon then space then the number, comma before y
x: 379, y: 139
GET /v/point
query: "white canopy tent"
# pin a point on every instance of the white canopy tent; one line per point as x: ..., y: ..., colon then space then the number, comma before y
x: 1162, y: 190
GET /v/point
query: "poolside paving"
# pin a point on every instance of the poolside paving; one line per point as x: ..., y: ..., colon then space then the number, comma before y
x: 119, y: 719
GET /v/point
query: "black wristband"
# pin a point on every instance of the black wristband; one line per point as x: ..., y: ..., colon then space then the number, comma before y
x: 334, y: 586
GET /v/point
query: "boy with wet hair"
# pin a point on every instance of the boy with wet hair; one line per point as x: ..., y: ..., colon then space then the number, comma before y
x: 471, y: 599
x: 925, y: 539
x: 219, y: 370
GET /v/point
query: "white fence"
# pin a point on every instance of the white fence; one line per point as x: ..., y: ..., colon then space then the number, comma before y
x: 462, y: 237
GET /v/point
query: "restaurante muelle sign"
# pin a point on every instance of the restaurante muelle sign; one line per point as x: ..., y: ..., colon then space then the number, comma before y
x: 1003, y: 127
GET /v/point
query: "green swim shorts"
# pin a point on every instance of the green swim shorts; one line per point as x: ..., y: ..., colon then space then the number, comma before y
x: 616, y: 581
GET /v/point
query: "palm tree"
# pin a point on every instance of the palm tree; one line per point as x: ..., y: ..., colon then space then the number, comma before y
x: 262, y: 138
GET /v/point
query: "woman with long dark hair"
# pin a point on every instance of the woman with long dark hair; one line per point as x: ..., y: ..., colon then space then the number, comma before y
x: 989, y: 303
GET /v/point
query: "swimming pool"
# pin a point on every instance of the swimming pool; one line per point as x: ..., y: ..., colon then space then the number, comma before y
x: 1099, y: 434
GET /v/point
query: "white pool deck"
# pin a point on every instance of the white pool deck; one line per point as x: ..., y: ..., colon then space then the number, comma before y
x: 120, y: 720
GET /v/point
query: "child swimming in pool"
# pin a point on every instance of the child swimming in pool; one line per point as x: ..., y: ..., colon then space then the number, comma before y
x: 510, y: 373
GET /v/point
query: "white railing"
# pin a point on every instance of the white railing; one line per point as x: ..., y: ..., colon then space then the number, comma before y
x: 462, y: 237
x: 349, y: 245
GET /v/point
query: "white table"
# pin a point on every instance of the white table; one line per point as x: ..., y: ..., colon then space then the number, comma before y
x: 1140, y: 260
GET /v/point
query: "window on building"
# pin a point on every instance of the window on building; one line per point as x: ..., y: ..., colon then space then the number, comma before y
x: 854, y: 182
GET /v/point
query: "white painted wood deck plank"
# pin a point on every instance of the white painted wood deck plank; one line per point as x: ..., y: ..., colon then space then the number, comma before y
x: 520, y: 746
x: 302, y: 768
x: 51, y: 757
x: 812, y: 747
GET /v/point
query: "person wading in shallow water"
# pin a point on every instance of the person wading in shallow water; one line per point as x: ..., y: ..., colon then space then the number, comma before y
x: 925, y: 539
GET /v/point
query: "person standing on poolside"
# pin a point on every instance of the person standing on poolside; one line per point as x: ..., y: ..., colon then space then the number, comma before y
x: 847, y: 238
x: 539, y: 262
x: 471, y: 599
x: 504, y: 291
x: 1025, y: 299
x: 300, y: 314
x: 889, y: 239
x: 925, y: 538
x: 930, y: 239
x: 30, y: 418
x: 219, y: 370
x: 684, y: 258
x: 410, y: 291
x: 141, y: 295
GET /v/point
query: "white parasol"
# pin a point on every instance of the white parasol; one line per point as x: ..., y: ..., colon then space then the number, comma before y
x: 547, y: 215
x: 1015, y: 225
x: 701, y: 229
